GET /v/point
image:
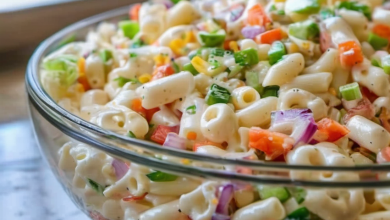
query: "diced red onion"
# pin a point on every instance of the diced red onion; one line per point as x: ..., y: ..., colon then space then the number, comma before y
x: 173, y: 140
x: 380, y: 158
x: 225, y: 196
x: 302, y: 121
x: 168, y: 4
x: 120, y: 168
x: 217, y: 216
x: 251, y: 32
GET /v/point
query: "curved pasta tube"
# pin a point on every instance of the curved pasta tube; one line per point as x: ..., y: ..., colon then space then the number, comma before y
x: 88, y: 159
x: 270, y: 208
x: 166, y: 90
x: 306, y: 47
x: 174, y: 33
x: 94, y: 96
x: 329, y: 99
x: 339, y: 31
x: 326, y: 63
x: 164, y: 117
x: 383, y: 215
x: 169, y: 210
x: 285, y: 70
x: 381, y: 16
x: 105, y: 31
x: 178, y: 187
x: 367, y: 49
x: 383, y: 197
x: 257, y: 114
x: 200, y: 204
x: 74, y: 48
x: 182, y: 13
x: 357, y: 21
x: 112, y: 209
x: 66, y: 161
x: 88, y: 111
x: 368, y: 134
x: 345, y: 204
x: 190, y: 122
x: 94, y: 70
x: 298, y: 98
x: 124, y: 98
x: 132, y: 210
x: 69, y: 105
x: 325, y: 154
x: 247, y: 44
x: 262, y: 51
x: 243, y: 97
x: 341, y: 76
x: 121, y: 119
x: 314, y: 83
x: 134, y: 182
x: 152, y: 20
x: 218, y: 123
x: 381, y: 102
x: 372, y: 77
x: 360, y: 159
x: 202, y: 83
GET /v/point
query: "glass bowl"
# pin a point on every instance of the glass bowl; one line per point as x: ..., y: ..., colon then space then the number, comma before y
x: 328, y: 190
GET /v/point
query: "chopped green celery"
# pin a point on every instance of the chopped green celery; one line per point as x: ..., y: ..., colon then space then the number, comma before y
x: 301, y: 213
x: 386, y: 64
x: 131, y: 134
x: 377, y: 42
x: 191, y: 109
x: 159, y: 176
x: 356, y: 6
x: 350, y: 91
x: 219, y: 52
x: 217, y: 94
x: 270, y: 91
x: 246, y: 57
x: 190, y: 68
x: 281, y: 193
x: 303, y: 6
x: 252, y: 80
x: 129, y: 28
x: 305, y: 30
x: 122, y: 81
x: 62, y: 69
x: 326, y: 13
x: 376, y: 62
x: 212, y: 39
x: 234, y: 70
x: 105, y: 55
x: 175, y: 67
x: 277, y: 51
x: 298, y: 194
x: 96, y: 186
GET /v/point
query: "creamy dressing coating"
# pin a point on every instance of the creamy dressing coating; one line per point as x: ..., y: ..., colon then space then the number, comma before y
x: 124, y: 89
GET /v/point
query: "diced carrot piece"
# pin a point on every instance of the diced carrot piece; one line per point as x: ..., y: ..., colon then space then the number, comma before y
x: 331, y: 129
x: 269, y: 37
x: 257, y: 16
x: 381, y: 30
x: 84, y: 81
x: 81, y: 65
x: 273, y: 144
x: 350, y: 53
x: 136, y: 105
x: 191, y: 135
x: 226, y: 44
x: 134, y: 12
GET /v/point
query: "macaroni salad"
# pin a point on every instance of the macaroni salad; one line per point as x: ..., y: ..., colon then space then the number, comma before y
x: 301, y: 82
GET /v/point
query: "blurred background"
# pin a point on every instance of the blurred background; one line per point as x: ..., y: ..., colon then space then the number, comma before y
x: 28, y: 190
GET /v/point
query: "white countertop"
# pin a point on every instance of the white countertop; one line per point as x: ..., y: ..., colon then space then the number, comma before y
x: 28, y: 189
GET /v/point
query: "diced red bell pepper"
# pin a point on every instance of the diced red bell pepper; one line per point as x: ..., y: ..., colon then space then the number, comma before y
x: 162, y: 71
x: 331, y: 130
x: 160, y: 134
x: 134, y: 198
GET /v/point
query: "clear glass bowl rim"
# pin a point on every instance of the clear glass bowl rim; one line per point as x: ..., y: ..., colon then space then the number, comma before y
x: 48, y: 108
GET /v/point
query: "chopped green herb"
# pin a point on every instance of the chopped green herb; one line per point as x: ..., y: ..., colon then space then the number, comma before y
x: 350, y: 91
x: 190, y: 68
x: 272, y: 8
x: 280, y: 12
x: 270, y: 91
x: 122, y: 81
x: 133, y: 55
x: 105, y: 55
x: 217, y: 94
x: 377, y: 42
x: 96, y: 186
x: 246, y: 57
x: 131, y: 134
x: 191, y: 110
x: 159, y: 176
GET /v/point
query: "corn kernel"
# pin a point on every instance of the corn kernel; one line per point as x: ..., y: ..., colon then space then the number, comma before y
x: 233, y: 45
x: 214, y: 201
x: 177, y: 45
x: 305, y: 45
x: 161, y: 59
x: 332, y: 91
x: 144, y: 78
x: 279, y: 1
x: 190, y: 37
x: 81, y: 64
x: 292, y: 48
x: 200, y: 65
